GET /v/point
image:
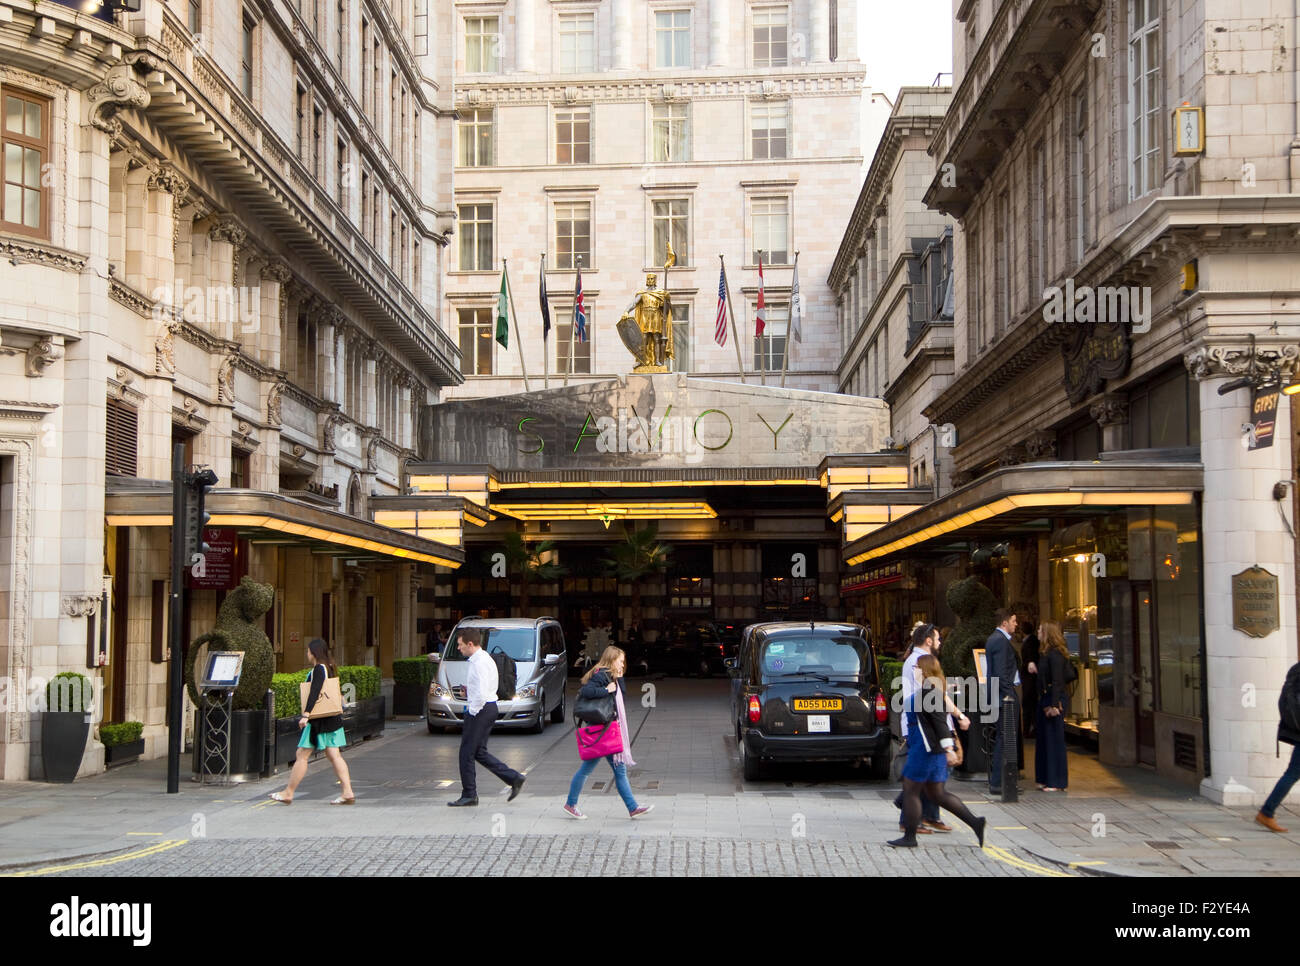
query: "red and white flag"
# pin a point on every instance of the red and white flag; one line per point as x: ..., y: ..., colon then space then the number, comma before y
x: 720, y: 323
x: 762, y: 305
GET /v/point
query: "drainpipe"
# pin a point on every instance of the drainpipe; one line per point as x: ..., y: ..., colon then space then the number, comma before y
x: 1295, y: 96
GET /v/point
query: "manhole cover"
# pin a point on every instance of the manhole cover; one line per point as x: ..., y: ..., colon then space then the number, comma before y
x: 1164, y: 845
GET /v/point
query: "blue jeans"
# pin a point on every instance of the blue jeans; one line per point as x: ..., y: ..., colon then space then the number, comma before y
x: 620, y: 781
x: 1284, y: 784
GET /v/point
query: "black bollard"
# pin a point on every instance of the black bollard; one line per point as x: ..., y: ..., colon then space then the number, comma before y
x: 1010, y: 759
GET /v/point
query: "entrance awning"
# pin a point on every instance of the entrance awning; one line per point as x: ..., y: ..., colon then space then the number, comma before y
x: 1023, y: 499
x: 273, y: 518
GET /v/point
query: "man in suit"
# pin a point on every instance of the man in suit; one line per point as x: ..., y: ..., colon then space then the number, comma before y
x: 1001, y: 658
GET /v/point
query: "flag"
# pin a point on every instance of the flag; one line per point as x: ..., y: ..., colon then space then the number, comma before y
x: 796, y: 305
x: 503, y: 326
x: 720, y: 323
x: 579, y: 311
x: 546, y: 306
x: 762, y: 305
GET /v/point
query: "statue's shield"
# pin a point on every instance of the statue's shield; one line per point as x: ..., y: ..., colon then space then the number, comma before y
x: 631, y: 335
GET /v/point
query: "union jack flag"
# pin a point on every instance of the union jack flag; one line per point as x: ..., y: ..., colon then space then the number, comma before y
x: 720, y: 323
x: 761, y: 321
x: 579, y: 311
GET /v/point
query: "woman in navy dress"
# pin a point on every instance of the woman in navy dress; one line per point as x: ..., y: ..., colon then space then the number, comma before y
x: 929, y: 753
x: 1051, y: 769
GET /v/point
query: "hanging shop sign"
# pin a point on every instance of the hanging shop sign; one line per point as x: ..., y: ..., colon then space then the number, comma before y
x: 1094, y: 353
x: 217, y: 571
x: 1254, y: 602
x: 1263, y: 415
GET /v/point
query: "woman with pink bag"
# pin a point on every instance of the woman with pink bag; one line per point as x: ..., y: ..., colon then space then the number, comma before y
x: 608, y: 740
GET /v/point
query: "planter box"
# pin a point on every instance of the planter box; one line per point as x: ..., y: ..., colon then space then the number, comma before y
x: 121, y: 754
x: 365, y: 719
x: 63, y: 743
x: 409, y: 699
x: 247, y: 740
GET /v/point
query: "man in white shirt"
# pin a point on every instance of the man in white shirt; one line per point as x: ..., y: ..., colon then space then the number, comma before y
x: 480, y: 713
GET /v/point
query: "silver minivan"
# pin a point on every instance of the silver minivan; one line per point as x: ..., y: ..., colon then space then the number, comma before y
x: 541, y: 673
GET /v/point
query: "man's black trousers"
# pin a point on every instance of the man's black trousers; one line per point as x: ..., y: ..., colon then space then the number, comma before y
x: 473, y: 748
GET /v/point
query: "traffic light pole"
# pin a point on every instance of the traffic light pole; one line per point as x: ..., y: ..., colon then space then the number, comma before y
x: 176, y: 684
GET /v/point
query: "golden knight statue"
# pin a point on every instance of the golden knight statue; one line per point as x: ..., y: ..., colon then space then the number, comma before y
x: 646, y: 328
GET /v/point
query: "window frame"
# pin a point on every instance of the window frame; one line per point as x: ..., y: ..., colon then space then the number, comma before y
x: 489, y: 57
x: 1081, y: 174
x: 558, y: 261
x: 683, y: 253
x: 765, y: 107
x: 476, y: 124
x: 573, y: 142
x: 583, y: 353
x: 753, y: 43
x: 560, y: 65
x: 248, y: 46
x: 782, y: 301
x: 462, y: 229
x: 656, y: 117
x: 673, y: 30
x: 753, y: 201
x: 477, y: 324
x: 689, y: 338
x: 45, y: 149
x: 1144, y: 174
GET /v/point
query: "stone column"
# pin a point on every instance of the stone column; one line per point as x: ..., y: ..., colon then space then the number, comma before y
x: 719, y: 32
x: 1240, y: 529
x: 622, y: 29
x: 325, y: 341
x: 370, y: 394
x: 1111, y: 414
x: 820, y: 21
x: 525, y: 42
x: 225, y: 237
x: 167, y: 192
x: 275, y: 276
x: 137, y: 267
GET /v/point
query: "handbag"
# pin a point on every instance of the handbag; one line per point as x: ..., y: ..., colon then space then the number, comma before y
x: 597, y: 741
x: 597, y: 711
x: 328, y: 703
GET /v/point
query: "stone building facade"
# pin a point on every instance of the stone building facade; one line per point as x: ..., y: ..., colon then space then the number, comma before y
x: 1137, y: 157
x: 599, y: 132
x: 228, y: 232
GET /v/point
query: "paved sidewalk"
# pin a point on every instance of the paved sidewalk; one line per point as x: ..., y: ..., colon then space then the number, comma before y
x: 706, y: 820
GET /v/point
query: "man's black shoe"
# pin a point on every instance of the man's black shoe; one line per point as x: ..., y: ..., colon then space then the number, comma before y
x: 463, y: 801
x: 514, y: 788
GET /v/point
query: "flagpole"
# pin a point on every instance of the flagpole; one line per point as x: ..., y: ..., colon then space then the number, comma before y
x: 546, y: 358
x: 573, y: 321
x: 726, y: 283
x: 762, y: 372
x: 510, y: 302
x: 789, y: 325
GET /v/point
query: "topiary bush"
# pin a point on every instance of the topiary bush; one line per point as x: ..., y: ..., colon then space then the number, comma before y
x: 974, y: 604
x: 111, y: 735
x: 235, y: 631
x: 69, y: 691
x: 413, y: 670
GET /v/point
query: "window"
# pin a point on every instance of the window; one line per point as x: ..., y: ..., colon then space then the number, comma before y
x: 772, y: 230
x: 195, y: 20
x: 394, y: 249
x: 1081, y: 175
x: 975, y: 292
x: 1145, y: 96
x: 475, y: 341
x: 573, y: 136
x: 671, y: 220
x: 682, y: 343
x: 416, y: 274
x: 1002, y: 267
x: 769, y: 348
x: 365, y: 64
x: 301, y: 102
x: 378, y: 208
x: 670, y: 135
x: 577, y: 43
x: 572, y: 234
x: 365, y: 204
x: 475, y: 229
x: 673, y: 38
x: 341, y: 174
x: 581, y: 350
x: 317, y: 140
x: 26, y: 147
x: 476, y: 141
x: 122, y: 438
x: 771, y: 25
x: 246, y: 57
x: 770, y: 130
x: 377, y: 87
x: 394, y: 111
x: 1037, y: 222
x: 402, y: 253
x: 481, y: 45
x: 240, y: 462
x: 340, y: 31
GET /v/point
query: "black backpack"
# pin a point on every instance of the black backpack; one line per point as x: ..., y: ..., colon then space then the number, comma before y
x: 507, y: 678
x: 1288, y: 707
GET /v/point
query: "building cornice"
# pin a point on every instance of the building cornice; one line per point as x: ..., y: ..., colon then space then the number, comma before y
x: 630, y: 88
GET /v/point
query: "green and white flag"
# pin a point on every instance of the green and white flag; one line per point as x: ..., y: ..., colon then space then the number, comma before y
x: 503, y: 328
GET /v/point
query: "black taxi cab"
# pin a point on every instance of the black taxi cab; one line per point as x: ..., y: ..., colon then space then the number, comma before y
x: 804, y: 691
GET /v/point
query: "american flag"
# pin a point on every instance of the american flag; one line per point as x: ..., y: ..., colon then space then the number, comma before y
x: 579, y: 311
x: 720, y: 323
x: 762, y: 305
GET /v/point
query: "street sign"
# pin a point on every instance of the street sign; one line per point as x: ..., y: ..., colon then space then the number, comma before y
x: 218, y: 570
x: 1263, y: 415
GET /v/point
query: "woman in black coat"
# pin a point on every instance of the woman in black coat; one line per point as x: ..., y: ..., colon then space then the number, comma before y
x: 1051, y: 770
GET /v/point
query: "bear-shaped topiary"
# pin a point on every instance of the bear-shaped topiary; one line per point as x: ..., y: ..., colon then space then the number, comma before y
x: 974, y: 604
x: 236, y: 631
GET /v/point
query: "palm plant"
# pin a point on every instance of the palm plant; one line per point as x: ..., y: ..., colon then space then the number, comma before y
x: 531, y: 563
x: 639, y: 555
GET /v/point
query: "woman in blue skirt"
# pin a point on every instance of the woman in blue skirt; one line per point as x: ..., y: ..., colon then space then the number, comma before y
x: 320, y: 734
x: 929, y: 753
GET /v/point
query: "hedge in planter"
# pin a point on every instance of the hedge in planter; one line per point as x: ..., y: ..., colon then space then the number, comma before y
x: 411, y: 678
x: 365, y: 682
x: 236, y: 631
x: 120, y: 734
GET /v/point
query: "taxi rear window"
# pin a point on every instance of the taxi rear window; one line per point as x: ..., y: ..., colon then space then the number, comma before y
x: 843, y: 658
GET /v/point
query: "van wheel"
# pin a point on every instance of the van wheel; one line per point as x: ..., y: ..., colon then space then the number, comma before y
x: 540, y: 725
x: 557, y: 716
x: 880, y: 766
x: 434, y: 729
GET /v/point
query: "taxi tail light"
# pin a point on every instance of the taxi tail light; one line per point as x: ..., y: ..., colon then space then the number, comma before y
x: 755, y: 709
x: 882, y: 708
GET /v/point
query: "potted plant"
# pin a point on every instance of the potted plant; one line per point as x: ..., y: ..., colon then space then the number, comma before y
x: 122, y: 742
x: 65, y: 725
x: 533, y: 563
x: 411, y: 677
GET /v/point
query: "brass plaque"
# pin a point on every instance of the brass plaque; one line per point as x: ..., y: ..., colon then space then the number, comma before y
x: 1254, y: 602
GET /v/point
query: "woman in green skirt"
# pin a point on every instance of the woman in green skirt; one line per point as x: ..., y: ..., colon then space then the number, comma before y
x: 321, y: 734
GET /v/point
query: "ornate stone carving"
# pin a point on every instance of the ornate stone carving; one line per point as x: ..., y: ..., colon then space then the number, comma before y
x: 273, y: 403
x: 1041, y: 445
x: 962, y: 478
x: 120, y: 88
x: 168, y: 179
x: 80, y: 605
x: 332, y: 422
x: 227, y: 229
x: 1013, y: 456
x: 1267, y: 364
x: 276, y: 271
x: 226, y: 379
x: 164, y: 349
x: 372, y: 454
x: 23, y: 250
x: 298, y: 451
x: 1110, y: 410
x: 42, y: 353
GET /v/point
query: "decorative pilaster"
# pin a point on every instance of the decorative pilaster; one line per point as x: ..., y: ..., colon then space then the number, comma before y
x: 719, y: 32
x: 524, y: 36
x: 623, y: 34
x: 1263, y: 364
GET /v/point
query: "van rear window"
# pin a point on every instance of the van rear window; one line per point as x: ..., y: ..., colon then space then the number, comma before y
x: 844, y: 658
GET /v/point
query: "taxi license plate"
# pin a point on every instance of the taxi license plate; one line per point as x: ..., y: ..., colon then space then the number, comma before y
x: 810, y: 705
